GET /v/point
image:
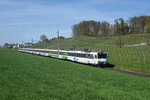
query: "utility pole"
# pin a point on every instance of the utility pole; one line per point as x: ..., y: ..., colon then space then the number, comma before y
x: 58, y: 42
x: 32, y: 41
x: 22, y: 44
x: 32, y: 44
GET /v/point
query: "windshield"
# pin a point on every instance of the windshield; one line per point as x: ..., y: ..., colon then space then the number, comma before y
x: 102, y: 55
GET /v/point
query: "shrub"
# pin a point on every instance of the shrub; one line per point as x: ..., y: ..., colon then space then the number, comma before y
x: 119, y: 42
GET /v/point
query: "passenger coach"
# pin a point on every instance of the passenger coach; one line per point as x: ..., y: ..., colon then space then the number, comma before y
x: 86, y: 57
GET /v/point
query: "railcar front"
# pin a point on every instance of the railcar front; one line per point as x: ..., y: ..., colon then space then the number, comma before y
x: 102, y: 59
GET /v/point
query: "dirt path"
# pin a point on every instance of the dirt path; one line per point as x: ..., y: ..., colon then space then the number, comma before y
x: 135, y: 45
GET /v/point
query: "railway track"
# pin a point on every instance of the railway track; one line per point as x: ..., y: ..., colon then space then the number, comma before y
x: 128, y: 72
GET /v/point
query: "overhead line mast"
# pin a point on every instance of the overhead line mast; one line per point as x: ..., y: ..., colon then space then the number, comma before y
x: 58, y: 42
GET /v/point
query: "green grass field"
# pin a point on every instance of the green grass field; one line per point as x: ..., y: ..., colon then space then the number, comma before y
x: 126, y: 58
x: 30, y: 77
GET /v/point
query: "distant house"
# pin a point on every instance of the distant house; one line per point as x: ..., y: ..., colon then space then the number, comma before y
x: 9, y: 45
x: 28, y: 44
x: 16, y: 46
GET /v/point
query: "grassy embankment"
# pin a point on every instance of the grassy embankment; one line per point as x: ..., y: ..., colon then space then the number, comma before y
x: 127, y: 58
x: 29, y: 77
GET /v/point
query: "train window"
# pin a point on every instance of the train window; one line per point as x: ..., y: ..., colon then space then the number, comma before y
x: 90, y: 56
x: 86, y: 56
x: 102, y: 55
x: 70, y: 54
x: 82, y: 55
x: 75, y: 54
x: 64, y: 53
x: 78, y: 55
x: 54, y: 52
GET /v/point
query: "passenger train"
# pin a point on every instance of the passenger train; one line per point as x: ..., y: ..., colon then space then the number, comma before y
x: 86, y: 57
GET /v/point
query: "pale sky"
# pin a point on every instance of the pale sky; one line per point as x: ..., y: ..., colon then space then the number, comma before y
x: 27, y: 19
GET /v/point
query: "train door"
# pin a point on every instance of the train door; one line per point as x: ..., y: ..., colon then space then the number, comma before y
x: 90, y: 58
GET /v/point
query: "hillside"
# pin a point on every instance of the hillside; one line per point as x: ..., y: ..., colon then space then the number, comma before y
x: 30, y: 77
x: 134, y: 58
x: 82, y: 42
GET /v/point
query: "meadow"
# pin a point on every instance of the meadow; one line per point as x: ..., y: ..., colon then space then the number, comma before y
x: 133, y: 58
x: 30, y: 77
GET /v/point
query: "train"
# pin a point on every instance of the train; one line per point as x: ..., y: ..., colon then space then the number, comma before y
x: 97, y: 58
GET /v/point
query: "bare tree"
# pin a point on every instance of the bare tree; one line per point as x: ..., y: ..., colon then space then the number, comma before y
x: 105, y: 28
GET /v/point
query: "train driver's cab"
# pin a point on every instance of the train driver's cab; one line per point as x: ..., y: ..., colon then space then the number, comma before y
x: 103, y: 58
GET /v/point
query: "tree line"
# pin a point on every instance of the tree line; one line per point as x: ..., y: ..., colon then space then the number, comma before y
x: 133, y: 25
x: 45, y: 39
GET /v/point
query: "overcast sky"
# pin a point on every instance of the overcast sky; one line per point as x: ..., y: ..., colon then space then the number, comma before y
x: 27, y: 19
